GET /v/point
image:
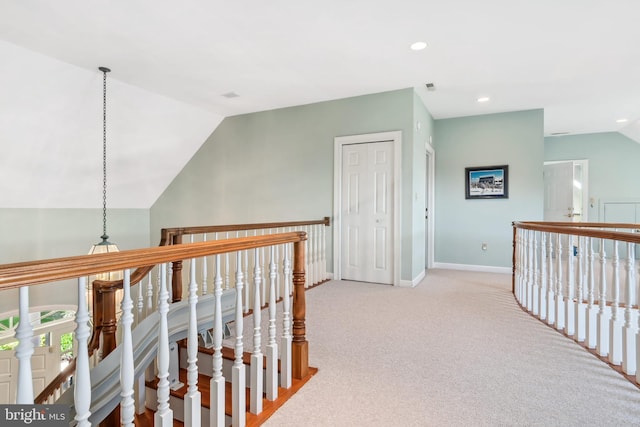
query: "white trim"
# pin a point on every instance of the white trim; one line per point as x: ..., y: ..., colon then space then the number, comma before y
x: 396, y: 138
x: 468, y: 267
x: 431, y: 180
x: 413, y: 283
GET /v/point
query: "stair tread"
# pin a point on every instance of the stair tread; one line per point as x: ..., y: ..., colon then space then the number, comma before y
x: 268, y: 407
x: 227, y: 353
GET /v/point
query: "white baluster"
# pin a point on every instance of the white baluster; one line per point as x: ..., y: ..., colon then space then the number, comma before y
x: 307, y: 267
x: 536, y: 277
x: 216, y: 385
x: 150, y: 294
x: 257, y: 384
x: 628, y: 332
x: 82, y: 378
x: 312, y: 255
x: 602, y: 345
x: 140, y: 302
x: 164, y: 414
x: 323, y: 251
x: 529, y: 261
x: 581, y: 308
x: 245, y: 272
x: 226, y: 267
x: 170, y: 281
x: 285, y: 356
x: 559, y: 324
x: 238, y: 374
x: 522, y: 266
x: 24, y: 350
x: 318, y: 253
x: 127, y: 408
x: 569, y: 304
x: 272, y: 346
x: 543, y: 277
x: 192, y: 399
x: 204, y: 269
x: 551, y: 295
x: 615, y: 323
x: 592, y: 309
x: 638, y: 333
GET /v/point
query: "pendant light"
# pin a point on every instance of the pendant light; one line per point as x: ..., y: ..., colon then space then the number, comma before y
x: 105, y: 246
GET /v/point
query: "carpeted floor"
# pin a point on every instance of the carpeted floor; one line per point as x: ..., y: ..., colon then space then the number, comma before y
x: 455, y: 351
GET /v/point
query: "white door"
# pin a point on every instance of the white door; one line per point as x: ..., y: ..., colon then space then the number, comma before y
x: 45, y: 365
x: 7, y: 386
x: 558, y: 192
x: 367, y: 212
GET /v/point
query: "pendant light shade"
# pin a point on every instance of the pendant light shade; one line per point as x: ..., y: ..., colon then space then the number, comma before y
x: 105, y: 246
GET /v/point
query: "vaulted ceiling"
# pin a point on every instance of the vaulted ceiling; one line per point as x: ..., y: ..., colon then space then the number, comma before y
x: 173, y: 62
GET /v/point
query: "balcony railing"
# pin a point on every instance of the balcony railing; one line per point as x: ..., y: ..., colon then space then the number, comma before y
x: 583, y: 280
x: 232, y: 272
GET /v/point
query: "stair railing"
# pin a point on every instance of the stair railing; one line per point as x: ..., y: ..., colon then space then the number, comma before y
x: 583, y: 279
x: 95, y: 393
x: 104, y: 295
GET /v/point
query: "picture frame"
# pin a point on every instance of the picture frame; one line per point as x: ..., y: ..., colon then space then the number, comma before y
x: 487, y: 182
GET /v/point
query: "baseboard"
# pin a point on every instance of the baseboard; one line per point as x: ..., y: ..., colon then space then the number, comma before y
x: 412, y: 283
x: 478, y: 268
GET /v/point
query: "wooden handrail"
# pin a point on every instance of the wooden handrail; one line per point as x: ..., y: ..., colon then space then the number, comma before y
x: 55, y: 383
x: 38, y: 272
x: 168, y: 233
x: 588, y: 229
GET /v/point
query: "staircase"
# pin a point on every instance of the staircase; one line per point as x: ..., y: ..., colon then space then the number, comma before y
x: 242, y: 272
x: 205, y: 360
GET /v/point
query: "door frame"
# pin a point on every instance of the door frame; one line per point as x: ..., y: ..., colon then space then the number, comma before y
x: 396, y: 138
x: 431, y: 189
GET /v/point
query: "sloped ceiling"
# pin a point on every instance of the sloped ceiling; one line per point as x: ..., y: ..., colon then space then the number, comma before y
x: 172, y: 63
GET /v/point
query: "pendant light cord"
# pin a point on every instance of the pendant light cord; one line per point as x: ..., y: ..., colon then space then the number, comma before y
x: 104, y: 153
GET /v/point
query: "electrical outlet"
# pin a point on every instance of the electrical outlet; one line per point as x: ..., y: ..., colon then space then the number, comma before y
x: 484, y: 246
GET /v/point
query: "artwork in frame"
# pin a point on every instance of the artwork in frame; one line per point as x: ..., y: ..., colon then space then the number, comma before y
x: 487, y: 182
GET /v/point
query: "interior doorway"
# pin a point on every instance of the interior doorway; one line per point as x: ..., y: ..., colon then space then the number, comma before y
x: 366, y: 207
x: 566, y: 185
x: 429, y: 201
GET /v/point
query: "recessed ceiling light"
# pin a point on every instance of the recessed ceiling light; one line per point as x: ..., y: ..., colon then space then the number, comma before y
x: 230, y: 95
x: 622, y: 120
x: 418, y: 46
x: 483, y: 99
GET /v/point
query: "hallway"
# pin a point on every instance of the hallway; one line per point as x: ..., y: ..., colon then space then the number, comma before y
x: 456, y: 350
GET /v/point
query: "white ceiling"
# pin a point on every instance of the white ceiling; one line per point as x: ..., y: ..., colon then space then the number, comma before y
x: 173, y: 61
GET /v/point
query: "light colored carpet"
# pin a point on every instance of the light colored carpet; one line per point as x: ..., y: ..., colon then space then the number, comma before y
x: 455, y: 351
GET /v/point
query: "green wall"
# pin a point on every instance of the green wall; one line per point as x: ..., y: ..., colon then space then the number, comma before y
x: 278, y: 165
x: 33, y: 234
x: 515, y: 139
x: 613, y: 164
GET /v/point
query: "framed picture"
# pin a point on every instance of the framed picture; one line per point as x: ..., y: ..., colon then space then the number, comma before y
x: 487, y: 182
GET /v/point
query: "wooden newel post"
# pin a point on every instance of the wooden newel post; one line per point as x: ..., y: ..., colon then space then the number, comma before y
x: 176, y: 278
x: 299, y: 345
x: 109, y: 321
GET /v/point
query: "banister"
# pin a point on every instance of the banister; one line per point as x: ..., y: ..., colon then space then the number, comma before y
x: 588, y: 229
x: 38, y: 272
